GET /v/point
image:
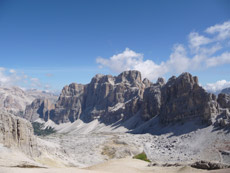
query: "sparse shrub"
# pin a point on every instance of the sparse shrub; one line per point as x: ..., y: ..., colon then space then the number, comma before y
x: 40, y: 131
x: 142, y: 156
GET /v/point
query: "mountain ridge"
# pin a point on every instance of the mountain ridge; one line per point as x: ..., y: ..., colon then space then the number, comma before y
x: 113, y: 99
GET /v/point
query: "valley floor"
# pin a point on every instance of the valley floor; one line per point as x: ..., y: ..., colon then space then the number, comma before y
x: 127, y: 165
x: 112, y: 152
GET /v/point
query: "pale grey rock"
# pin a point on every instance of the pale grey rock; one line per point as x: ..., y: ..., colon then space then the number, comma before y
x: 118, y: 98
x: 69, y: 105
x: 151, y: 105
x: 16, y: 132
x: 15, y: 100
x: 147, y: 83
x: 224, y: 100
x: 39, y: 108
x: 106, y: 98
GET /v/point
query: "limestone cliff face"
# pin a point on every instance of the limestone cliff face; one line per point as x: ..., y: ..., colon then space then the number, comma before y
x: 152, y: 101
x: 16, y: 132
x: 112, y: 98
x: 70, y: 103
x: 105, y: 97
x: 183, y: 98
x: 39, y: 108
x: 224, y: 100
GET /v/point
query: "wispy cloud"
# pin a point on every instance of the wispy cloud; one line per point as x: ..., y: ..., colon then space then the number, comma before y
x: 202, y: 51
x: 11, y: 77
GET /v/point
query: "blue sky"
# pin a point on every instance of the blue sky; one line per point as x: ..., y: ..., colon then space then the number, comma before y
x: 47, y: 44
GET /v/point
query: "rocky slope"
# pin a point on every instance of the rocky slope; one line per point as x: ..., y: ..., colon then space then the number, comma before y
x: 17, y: 133
x: 39, y: 108
x: 110, y: 99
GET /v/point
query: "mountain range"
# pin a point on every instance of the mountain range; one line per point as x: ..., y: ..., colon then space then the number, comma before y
x: 174, y: 123
x: 111, y: 99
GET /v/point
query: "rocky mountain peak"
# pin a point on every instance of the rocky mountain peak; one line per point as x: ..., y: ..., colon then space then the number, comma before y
x: 161, y: 81
x: 72, y: 89
x: 131, y: 76
x: 183, y: 98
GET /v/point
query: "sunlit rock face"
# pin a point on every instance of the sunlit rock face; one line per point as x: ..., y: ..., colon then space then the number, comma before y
x: 16, y: 132
x: 118, y: 98
x: 39, y: 108
x: 106, y: 98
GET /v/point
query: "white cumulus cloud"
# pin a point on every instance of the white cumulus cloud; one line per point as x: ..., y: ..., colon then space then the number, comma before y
x: 130, y: 60
x: 217, y: 86
x: 200, y: 53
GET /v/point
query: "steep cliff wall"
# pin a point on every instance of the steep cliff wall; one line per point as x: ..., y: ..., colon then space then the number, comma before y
x: 16, y: 132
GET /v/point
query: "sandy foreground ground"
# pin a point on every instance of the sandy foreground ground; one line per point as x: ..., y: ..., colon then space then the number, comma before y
x: 126, y: 165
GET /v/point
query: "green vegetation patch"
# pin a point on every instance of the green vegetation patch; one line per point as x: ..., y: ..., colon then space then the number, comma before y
x: 39, y: 129
x: 142, y: 156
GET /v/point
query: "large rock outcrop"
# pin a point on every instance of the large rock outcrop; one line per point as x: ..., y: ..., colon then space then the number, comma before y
x: 183, y: 98
x: 106, y: 98
x: 224, y: 100
x: 151, y: 105
x: 39, y: 108
x: 17, y: 133
x: 112, y: 98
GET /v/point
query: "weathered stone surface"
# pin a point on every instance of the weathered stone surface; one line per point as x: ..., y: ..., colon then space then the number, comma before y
x: 106, y: 98
x: 110, y: 98
x: 17, y: 133
x: 39, y: 108
x: 151, y: 105
x: 70, y: 103
x: 224, y: 100
x: 183, y: 98
x: 15, y: 100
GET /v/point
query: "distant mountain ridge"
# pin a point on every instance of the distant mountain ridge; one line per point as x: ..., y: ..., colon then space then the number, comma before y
x: 15, y: 100
x: 226, y: 91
